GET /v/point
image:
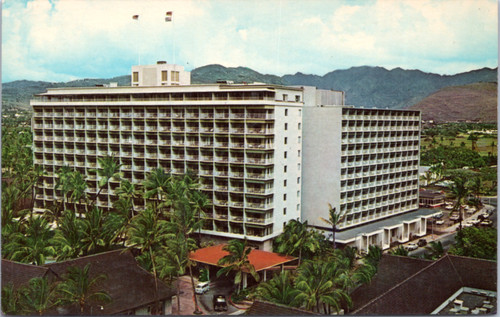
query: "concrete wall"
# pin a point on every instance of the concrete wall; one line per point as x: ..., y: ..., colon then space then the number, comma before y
x: 151, y: 75
x: 321, y: 162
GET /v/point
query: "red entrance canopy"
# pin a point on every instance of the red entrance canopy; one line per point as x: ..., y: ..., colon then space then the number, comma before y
x: 260, y: 260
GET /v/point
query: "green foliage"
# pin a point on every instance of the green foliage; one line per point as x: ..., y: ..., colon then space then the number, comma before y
x: 435, y: 250
x: 297, y: 240
x: 476, y: 242
x: 32, y: 244
x: 10, y: 300
x: 279, y: 290
x: 79, y: 288
x: 401, y: 251
x: 323, y: 282
x: 37, y: 297
x: 203, y: 275
x: 453, y: 157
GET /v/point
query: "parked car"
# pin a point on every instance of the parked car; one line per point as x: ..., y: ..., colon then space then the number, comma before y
x: 411, y: 246
x: 220, y: 303
x: 439, y: 215
x: 202, y: 287
x: 486, y: 223
x: 454, y: 216
x: 422, y: 243
x: 439, y: 222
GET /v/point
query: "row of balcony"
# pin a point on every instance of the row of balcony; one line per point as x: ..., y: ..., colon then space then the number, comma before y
x: 161, y: 115
x: 378, y: 172
x: 382, y: 128
x: 380, y: 194
x: 379, y: 161
x: 376, y: 215
x: 380, y: 150
x: 380, y: 140
x: 380, y: 117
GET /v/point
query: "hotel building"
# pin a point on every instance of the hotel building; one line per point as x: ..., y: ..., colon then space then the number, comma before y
x: 265, y: 154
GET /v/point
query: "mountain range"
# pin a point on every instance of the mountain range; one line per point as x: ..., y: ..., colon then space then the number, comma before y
x: 364, y: 86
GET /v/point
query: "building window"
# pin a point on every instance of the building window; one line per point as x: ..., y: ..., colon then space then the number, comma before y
x: 298, y: 180
x: 298, y: 194
x: 284, y: 155
x: 297, y: 98
x: 298, y: 166
x: 284, y: 224
x: 175, y: 76
x: 284, y: 183
x: 284, y: 169
x: 284, y: 211
x: 286, y: 126
x: 285, y: 98
x: 164, y: 75
x: 286, y: 140
x: 284, y: 197
x: 135, y: 76
x: 298, y: 152
x: 286, y: 112
x: 298, y: 125
x: 298, y: 207
x: 299, y: 139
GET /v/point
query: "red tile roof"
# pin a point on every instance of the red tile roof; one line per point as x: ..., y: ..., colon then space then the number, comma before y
x: 261, y: 260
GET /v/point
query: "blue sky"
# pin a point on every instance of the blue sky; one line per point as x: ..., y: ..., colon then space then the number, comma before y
x: 70, y: 39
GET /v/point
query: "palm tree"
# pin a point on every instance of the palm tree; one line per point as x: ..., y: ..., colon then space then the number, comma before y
x: 296, y: 238
x: 33, y: 245
x: 459, y: 189
x: 334, y: 220
x: 127, y: 192
x: 78, y: 187
x: 279, y: 290
x: 63, y: 184
x: 10, y: 300
x: 37, y: 297
x: 475, y: 186
x: 374, y: 255
x: 473, y: 138
x: 100, y: 231
x: 79, y: 288
x: 324, y: 284
x: 156, y: 186
x: 68, y: 237
x: 364, y: 273
x: 148, y: 233
x: 237, y: 260
x: 109, y: 169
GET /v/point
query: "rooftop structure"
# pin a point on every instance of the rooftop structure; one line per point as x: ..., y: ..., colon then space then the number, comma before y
x: 265, y: 154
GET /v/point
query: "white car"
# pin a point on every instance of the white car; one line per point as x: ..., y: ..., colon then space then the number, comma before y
x: 439, y: 222
x: 411, y: 246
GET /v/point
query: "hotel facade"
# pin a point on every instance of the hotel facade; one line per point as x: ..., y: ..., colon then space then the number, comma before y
x: 264, y: 154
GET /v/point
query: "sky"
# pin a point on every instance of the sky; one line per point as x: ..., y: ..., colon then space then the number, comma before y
x: 62, y: 40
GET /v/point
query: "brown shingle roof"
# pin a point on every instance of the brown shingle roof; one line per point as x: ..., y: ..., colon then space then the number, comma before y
x: 391, y: 271
x: 129, y: 285
x: 424, y: 291
x: 19, y: 274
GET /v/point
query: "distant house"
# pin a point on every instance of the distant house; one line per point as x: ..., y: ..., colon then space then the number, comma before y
x: 409, y: 286
x: 431, y: 198
x: 131, y: 288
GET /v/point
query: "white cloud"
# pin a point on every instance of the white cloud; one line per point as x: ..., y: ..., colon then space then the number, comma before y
x: 58, y: 40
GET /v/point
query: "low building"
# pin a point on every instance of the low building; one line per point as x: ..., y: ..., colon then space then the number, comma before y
x: 262, y: 261
x: 131, y: 288
x: 431, y: 198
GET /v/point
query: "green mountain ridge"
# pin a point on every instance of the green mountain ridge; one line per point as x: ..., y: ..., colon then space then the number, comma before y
x: 365, y: 86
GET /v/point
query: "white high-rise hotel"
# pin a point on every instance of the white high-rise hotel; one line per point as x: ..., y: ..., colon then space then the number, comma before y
x: 265, y: 154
